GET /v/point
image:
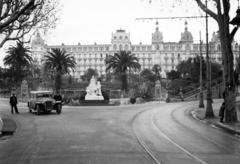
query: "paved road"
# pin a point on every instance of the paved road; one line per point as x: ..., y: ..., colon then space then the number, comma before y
x: 171, y: 136
x: 141, y: 134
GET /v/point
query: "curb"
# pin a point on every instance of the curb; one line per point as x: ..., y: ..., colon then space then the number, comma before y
x: 227, y: 128
x: 218, y: 124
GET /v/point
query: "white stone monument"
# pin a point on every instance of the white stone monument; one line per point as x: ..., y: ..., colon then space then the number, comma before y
x: 94, y: 90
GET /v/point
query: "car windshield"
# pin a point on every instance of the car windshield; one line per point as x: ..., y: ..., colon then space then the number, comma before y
x: 43, y: 95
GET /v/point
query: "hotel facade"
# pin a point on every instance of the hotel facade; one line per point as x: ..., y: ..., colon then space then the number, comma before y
x: 167, y: 54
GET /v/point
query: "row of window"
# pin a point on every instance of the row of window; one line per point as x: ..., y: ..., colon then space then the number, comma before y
x: 90, y: 55
x: 120, y: 47
x: 103, y: 68
x: 121, y: 37
x: 101, y: 56
x: 141, y: 48
x: 84, y: 68
x: 82, y: 48
x: 187, y: 47
x: 89, y: 59
x: 143, y: 55
x: 166, y: 47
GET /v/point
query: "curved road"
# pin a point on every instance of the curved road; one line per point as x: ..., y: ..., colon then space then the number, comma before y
x: 141, y: 134
x: 171, y: 136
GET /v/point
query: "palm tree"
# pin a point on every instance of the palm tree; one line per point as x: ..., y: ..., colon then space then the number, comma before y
x: 120, y: 63
x: 18, y: 60
x: 59, y: 62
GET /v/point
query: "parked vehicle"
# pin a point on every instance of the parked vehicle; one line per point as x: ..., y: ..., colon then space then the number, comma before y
x: 43, y: 101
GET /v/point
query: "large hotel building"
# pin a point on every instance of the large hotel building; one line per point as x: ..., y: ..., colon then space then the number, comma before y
x: 167, y: 54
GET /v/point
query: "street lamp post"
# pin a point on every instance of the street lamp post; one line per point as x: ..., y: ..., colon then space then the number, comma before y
x: 201, y: 104
x: 209, y: 109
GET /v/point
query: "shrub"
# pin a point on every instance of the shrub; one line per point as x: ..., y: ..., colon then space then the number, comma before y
x: 66, y: 100
x: 133, y: 100
x: 132, y: 93
x: 146, y: 91
x: 82, y: 95
x: 167, y: 100
x: 105, y: 94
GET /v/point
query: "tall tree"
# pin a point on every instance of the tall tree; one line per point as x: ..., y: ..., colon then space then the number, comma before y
x: 59, y: 62
x: 18, y: 17
x: 121, y: 63
x: 190, y: 68
x: 148, y: 75
x: 89, y: 73
x: 18, y: 60
x: 221, y: 16
x: 172, y: 75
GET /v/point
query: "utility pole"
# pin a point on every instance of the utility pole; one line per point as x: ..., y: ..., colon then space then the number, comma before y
x: 158, y: 18
x: 201, y: 104
x: 209, y: 110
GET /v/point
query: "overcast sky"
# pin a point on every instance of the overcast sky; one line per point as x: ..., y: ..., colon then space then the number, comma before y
x: 90, y: 21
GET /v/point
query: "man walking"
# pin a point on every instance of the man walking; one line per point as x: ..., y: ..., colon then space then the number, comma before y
x: 13, y: 103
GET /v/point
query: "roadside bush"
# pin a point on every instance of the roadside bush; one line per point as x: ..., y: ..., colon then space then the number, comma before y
x: 106, y: 94
x: 167, y: 100
x: 146, y: 91
x: 66, y: 100
x: 133, y: 100
x: 82, y: 95
x: 139, y: 100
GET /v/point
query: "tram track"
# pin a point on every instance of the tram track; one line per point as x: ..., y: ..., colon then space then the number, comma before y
x: 197, y: 133
x: 148, y: 148
x: 140, y: 140
x: 175, y: 143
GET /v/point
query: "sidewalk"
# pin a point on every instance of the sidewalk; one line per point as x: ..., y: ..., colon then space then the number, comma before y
x: 233, y: 128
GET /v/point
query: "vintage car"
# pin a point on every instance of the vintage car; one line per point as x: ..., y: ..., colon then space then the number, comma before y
x: 43, y: 101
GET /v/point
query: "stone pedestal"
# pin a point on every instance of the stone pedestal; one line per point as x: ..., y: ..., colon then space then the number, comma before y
x: 95, y: 103
x: 158, y: 91
x: 93, y: 97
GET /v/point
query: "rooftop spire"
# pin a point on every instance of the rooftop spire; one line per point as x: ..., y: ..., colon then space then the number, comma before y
x: 186, y: 28
x: 157, y: 26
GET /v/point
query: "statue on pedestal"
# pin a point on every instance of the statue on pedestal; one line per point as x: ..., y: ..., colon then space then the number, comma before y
x: 94, y: 90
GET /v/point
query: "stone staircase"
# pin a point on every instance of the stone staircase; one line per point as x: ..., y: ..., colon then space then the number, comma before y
x: 194, y: 94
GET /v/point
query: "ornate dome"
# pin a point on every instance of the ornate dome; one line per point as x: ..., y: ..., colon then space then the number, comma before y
x: 186, y: 36
x: 37, y: 39
x: 215, y: 37
x: 157, y: 36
